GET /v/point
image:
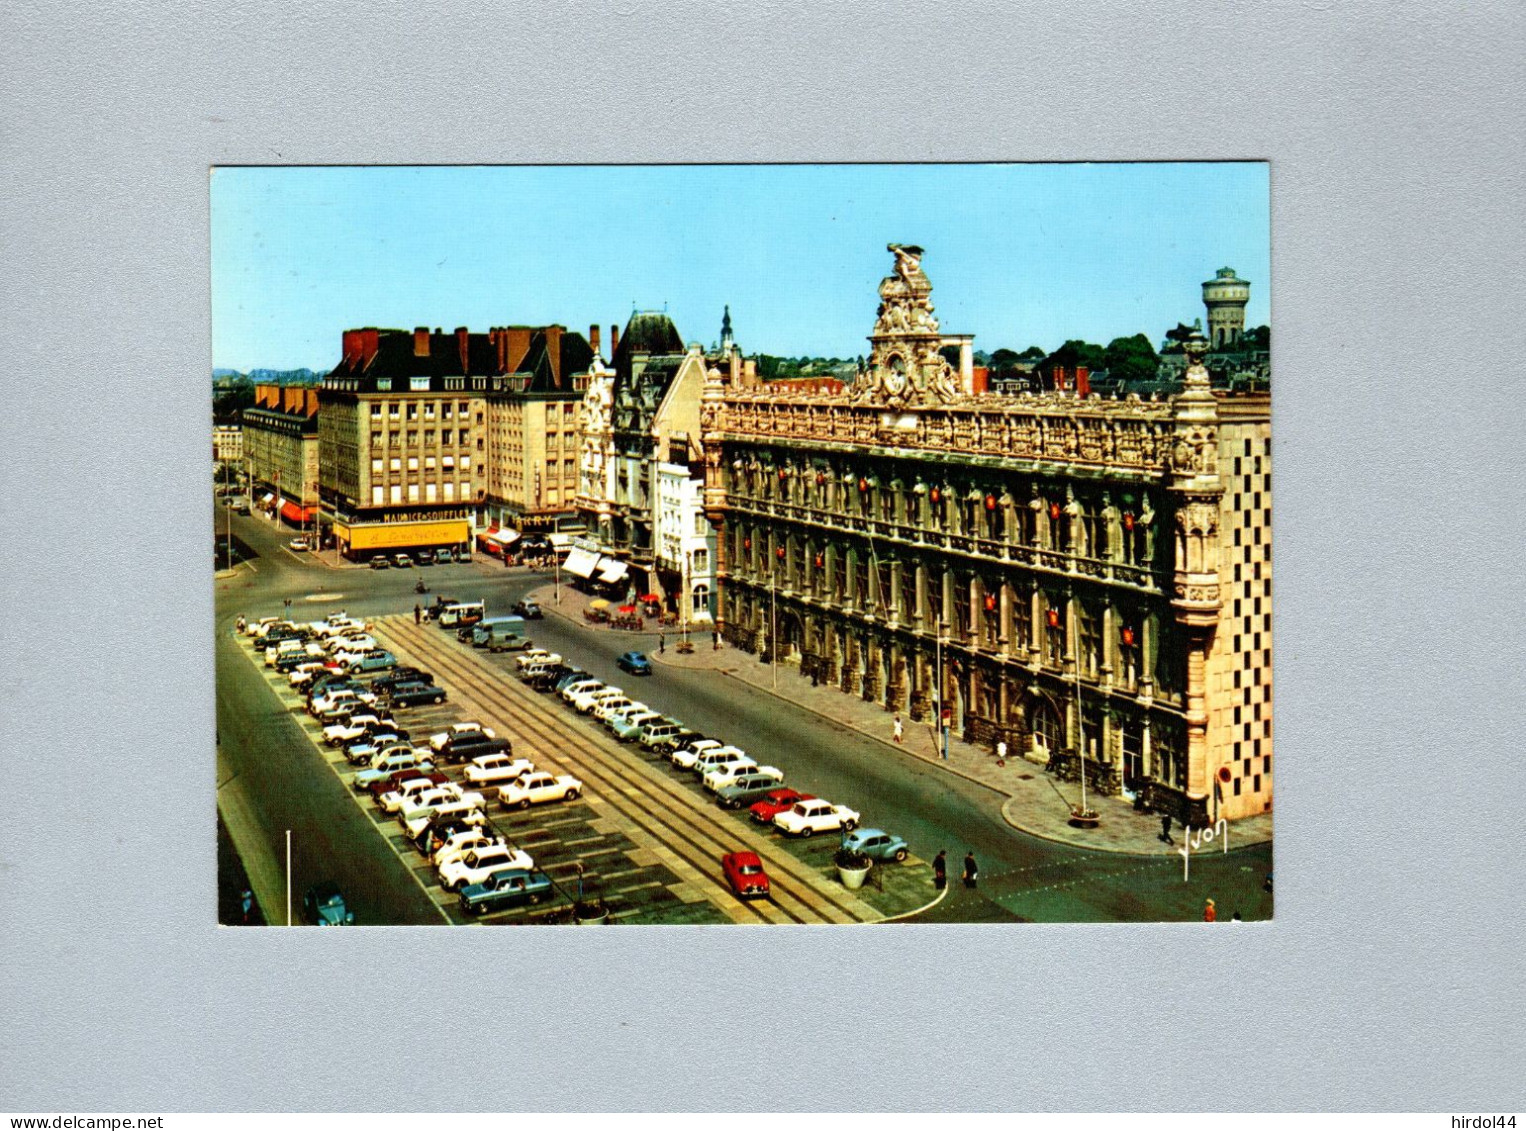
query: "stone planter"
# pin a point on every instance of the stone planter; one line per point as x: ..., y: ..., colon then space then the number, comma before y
x: 1085, y: 818
x: 590, y: 914
x: 852, y: 878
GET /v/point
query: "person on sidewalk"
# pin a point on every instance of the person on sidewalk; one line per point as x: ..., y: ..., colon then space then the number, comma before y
x: 898, y: 730
x: 418, y: 614
x: 940, y: 870
x: 662, y: 643
x: 971, y: 869
x: 1165, y: 829
x: 1209, y: 914
x: 1001, y: 752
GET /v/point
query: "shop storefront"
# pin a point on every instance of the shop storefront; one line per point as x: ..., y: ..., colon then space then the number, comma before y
x: 357, y: 540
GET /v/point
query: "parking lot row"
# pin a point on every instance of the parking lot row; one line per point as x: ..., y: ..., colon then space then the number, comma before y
x: 562, y: 840
x: 644, y: 793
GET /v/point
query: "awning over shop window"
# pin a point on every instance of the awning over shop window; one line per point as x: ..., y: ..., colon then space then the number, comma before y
x: 504, y: 537
x: 295, y: 514
x: 611, y: 571
x: 581, y: 563
x: 266, y: 497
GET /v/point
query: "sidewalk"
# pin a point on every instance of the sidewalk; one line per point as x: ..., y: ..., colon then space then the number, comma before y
x: 1036, y: 802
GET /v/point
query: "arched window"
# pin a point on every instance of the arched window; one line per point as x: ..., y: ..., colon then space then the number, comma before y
x: 1044, y: 724
x: 701, y: 598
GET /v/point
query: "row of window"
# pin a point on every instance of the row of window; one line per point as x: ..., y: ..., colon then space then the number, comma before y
x: 432, y: 493
x: 395, y: 463
x: 429, y: 409
x: 396, y: 439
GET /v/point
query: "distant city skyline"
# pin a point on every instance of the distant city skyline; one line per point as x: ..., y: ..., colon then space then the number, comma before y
x: 1018, y: 255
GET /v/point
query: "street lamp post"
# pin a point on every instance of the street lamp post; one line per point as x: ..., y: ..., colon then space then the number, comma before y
x: 773, y: 629
x: 938, y: 699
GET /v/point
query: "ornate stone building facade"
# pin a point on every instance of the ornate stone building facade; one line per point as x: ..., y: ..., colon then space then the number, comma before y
x: 1050, y: 571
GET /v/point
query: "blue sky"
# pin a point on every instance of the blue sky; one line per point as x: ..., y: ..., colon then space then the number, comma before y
x: 1018, y: 255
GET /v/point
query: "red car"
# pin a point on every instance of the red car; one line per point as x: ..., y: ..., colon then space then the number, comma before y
x: 775, y: 803
x: 388, y: 784
x: 744, y: 872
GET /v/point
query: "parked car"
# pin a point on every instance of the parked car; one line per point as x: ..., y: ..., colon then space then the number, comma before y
x: 403, y: 777
x: 461, y: 842
x: 628, y: 727
x: 402, y: 561
x: 394, y: 800
x: 534, y: 656
x: 300, y: 544
x: 507, y: 888
x: 574, y: 675
x: 480, y: 863
x: 634, y: 662
x: 424, y: 558
x: 721, y: 756
x: 666, y: 746
x: 616, y: 712
x: 605, y: 706
x: 305, y: 673
x: 535, y: 788
x: 387, y: 763
x: 422, y: 801
x: 528, y: 609
x: 324, y: 906
x: 466, y: 809
x: 380, y: 562
x: 349, y: 729
x: 684, y: 757
x: 377, y: 659
x: 496, y: 769
x: 806, y: 818
x: 441, y: 829
x: 464, y: 747
x: 765, y: 810
x: 414, y: 695
x: 574, y: 692
x: 740, y: 786
x: 877, y: 844
x: 293, y: 660
x: 586, y: 702
x: 363, y: 750
x: 436, y: 741
x: 744, y: 872
x: 342, y: 705
x: 546, y: 678
x: 657, y: 733
x: 401, y: 675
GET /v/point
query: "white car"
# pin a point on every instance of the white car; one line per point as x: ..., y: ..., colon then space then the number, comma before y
x: 537, y: 787
x: 605, y: 706
x: 394, y: 800
x: 427, y: 798
x: 581, y: 687
x: 361, y: 642
x: 477, y: 864
x: 685, y: 757
x: 535, y: 656
x: 340, y: 626
x: 586, y: 702
x: 492, y: 769
x: 721, y: 776
x: 285, y: 647
x: 305, y: 673
x: 437, y: 741
x: 720, y: 756
x: 261, y: 626
x: 352, y: 650
x: 299, y: 544
x: 816, y: 816
x: 458, y: 843
x: 463, y: 810
x: 338, y: 734
x: 345, y: 696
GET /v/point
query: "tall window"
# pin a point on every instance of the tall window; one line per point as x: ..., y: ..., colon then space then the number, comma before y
x: 700, y: 563
x: 701, y: 598
x: 1089, y: 622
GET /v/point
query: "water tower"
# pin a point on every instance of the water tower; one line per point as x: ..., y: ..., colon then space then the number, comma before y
x: 1225, y: 296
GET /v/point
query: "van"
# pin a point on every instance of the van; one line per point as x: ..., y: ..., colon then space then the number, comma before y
x: 457, y: 616
x: 498, y: 631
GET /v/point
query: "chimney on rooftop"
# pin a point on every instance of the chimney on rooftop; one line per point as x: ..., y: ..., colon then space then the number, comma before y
x: 461, y: 347
x: 614, y: 340
x: 421, y: 341
x: 519, y: 345
x: 593, y: 340
x: 554, y: 353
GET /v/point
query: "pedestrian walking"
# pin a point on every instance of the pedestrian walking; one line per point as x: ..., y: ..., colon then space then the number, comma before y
x: 246, y: 904
x: 971, y: 869
x: 899, y: 730
x: 1001, y: 752
x: 418, y: 614
x: 662, y: 643
x: 1209, y: 914
x: 1165, y: 829
x: 940, y: 870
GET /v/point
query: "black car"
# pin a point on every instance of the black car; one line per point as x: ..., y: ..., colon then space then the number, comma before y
x: 437, y: 832
x: 465, y: 747
x: 677, y: 742
x: 527, y: 609
x: 293, y: 660
x: 571, y: 675
x: 414, y: 694
x: 398, y: 676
